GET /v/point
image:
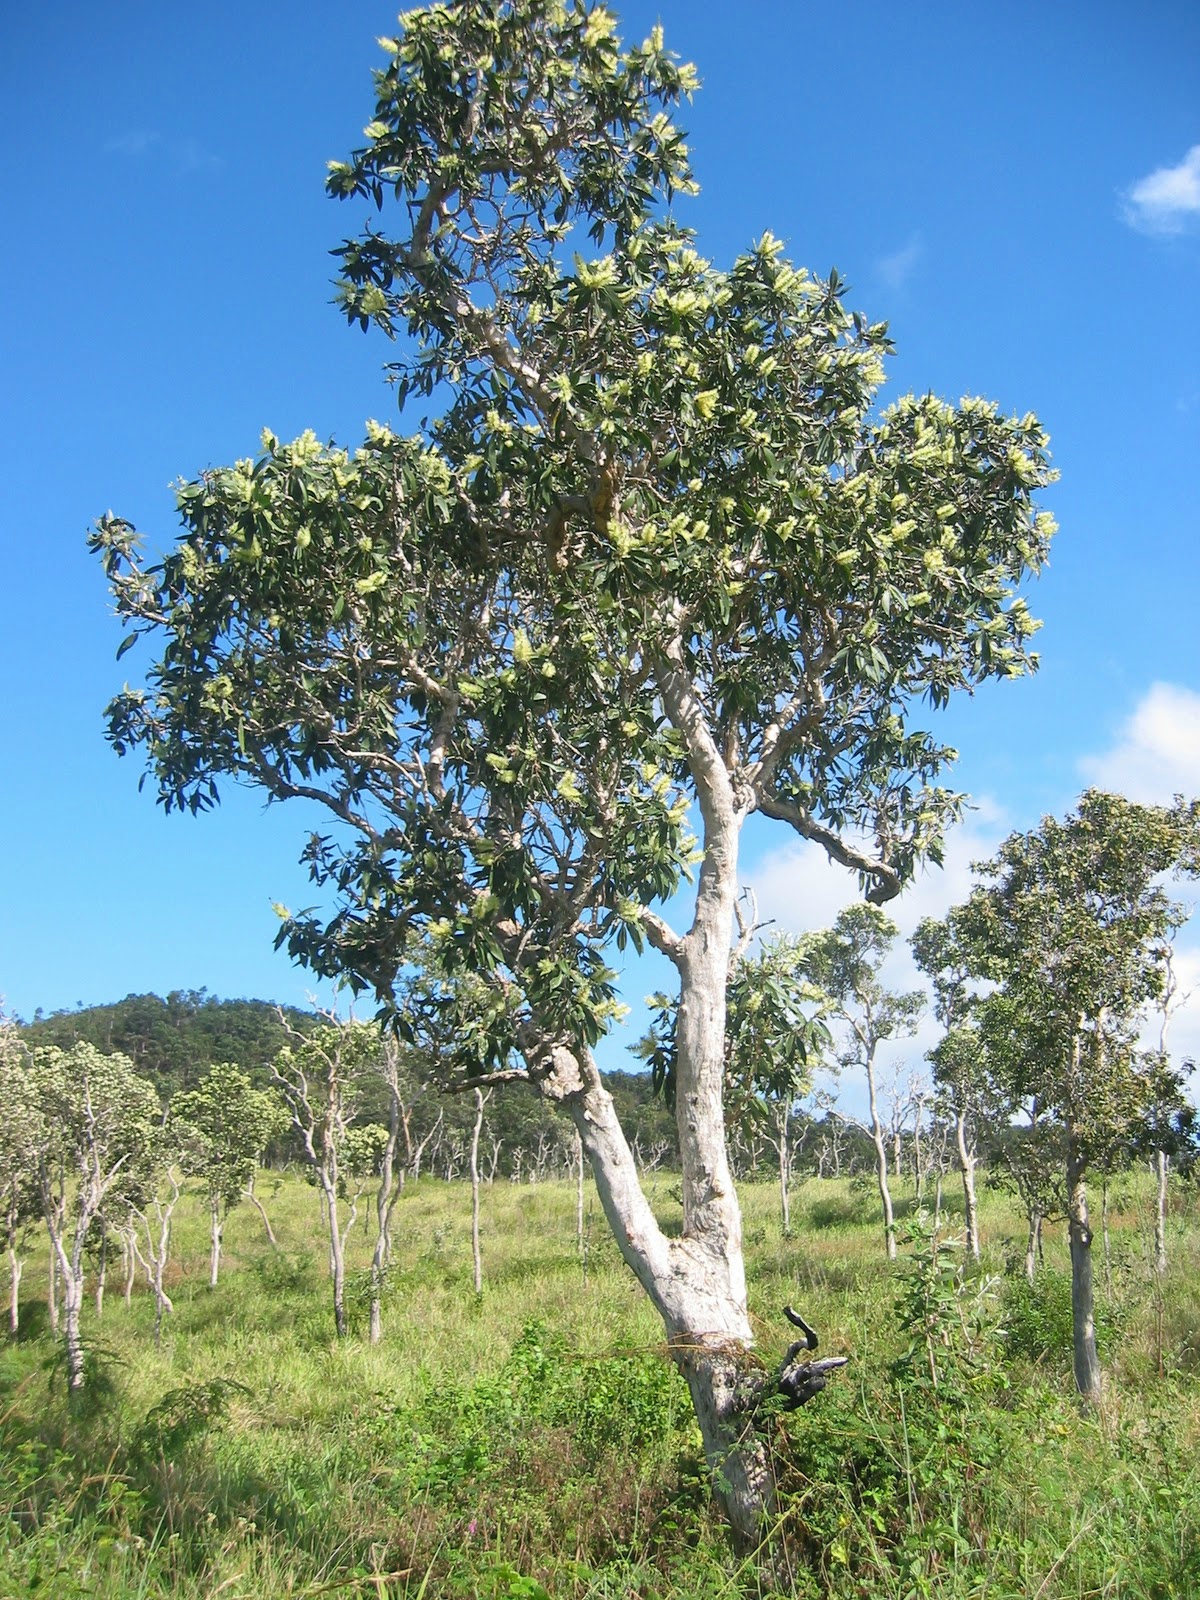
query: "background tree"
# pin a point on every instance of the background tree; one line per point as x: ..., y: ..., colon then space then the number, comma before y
x: 1169, y: 1133
x: 225, y: 1125
x: 959, y: 1059
x: 1072, y: 922
x: 97, y: 1120
x: 149, y: 1195
x: 657, y: 563
x: 319, y: 1078
x: 20, y: 1132
x: 844, y: 962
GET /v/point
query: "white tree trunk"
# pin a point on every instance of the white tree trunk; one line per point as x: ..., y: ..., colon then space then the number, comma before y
x: 52, y: 1290
x: 215, y: 1233
x: 476, y: 1256
x: 15, y: 1268
x: 337, y: 1256
x: 1083, y: 1317
x: 102, y: 1271
x: 881, y: 1161
x: 1161, y: 1166
x: 258, y: 1206
x: 579, y: 1242
x: 129, y: 1262
x: 966, y: 1164
x: 785, y: 1174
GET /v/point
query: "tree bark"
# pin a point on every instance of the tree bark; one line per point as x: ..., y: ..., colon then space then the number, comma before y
x: 881, y: 1161
x: 1161, y: 1166
x: 129, y: 1261
x: 70, y: 1275
x: 258, y: 1206
x: 216, y: 1231
x: 385, y: 1200
x: 337, y: 1262
x: 52, y: 1290
x: 1033, y: 1246
x: 1083, y: 1315
x: 785, y: 1175
x: 102, y: 1271
x: 476, y: 1256
x: 698, y: 1291
x: 579, y: 1244
x: 966, y: 1163
x: 15, y: 1268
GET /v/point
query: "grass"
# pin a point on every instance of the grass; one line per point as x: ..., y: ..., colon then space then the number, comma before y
x: 537, y: 1442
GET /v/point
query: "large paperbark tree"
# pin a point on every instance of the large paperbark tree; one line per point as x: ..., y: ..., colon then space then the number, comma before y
x: 656, y: 567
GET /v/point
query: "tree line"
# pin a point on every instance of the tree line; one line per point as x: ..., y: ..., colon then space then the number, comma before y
x: 1043, y: 981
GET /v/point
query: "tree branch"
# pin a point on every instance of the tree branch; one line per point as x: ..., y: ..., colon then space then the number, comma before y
x: 887, y: 880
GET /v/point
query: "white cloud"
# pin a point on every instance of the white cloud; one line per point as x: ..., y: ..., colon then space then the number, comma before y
x: 1157, y: 751
x: 798, y: 889
x: 1166, y: 199
x: 895, y: 269
x: 134, y: 143
x: 186, y: 156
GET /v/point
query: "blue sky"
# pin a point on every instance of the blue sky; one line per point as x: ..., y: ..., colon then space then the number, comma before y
x: 1016, y: 189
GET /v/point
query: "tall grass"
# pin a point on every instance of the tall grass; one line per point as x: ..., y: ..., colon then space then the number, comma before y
x: 535, y: 1440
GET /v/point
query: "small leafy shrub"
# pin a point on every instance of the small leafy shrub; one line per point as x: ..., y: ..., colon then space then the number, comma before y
x: 1037, y: 1317
x: 184, y: 1415
x: 285, y: 1272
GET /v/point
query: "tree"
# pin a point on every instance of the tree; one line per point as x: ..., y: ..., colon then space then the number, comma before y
x: 19, y: 1137
x: 959, y: 1059
x: 319, y: 1078
x: 150, y: 1194
x: 224, y: 1127
x: 97, y: 1119
x: 844, y: 963
x: 1072, y: 922
x: 1169, y: 1133
x: 657, y: 565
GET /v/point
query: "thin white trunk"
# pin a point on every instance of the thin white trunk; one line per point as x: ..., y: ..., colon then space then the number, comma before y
x: 129, y: 1262
x: 1161, y: 1167
x: 52, y: 1309
x: 337, y: 1257
x: 966, y: 1164
x: 1083, y: 1316
x: 476, y: 1256
x: 215, y: 1232
x: 881, y: 1160
x: 102, y: 1272
x: 15, y: 1268
x: 391, y: 1183
x: 1033, y: 1247
x: 579, y: 1241
x: 258, y: 1206
x: 785, y: 1174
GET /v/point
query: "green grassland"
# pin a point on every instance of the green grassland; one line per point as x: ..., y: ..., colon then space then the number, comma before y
x: 537, y: 1441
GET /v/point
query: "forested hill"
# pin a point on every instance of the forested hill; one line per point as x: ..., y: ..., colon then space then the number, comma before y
x: 174, y: 1041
